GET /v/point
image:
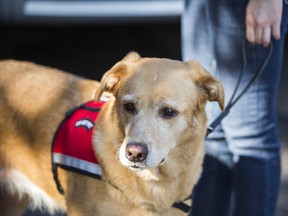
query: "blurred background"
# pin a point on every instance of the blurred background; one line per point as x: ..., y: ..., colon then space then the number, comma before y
x: 87, y: 37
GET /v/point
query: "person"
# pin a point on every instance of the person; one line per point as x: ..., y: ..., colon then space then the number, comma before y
x: 241, y: 171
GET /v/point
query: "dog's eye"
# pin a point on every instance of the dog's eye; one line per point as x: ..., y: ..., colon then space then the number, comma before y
x: 129, y: 106
x: 168, y: 113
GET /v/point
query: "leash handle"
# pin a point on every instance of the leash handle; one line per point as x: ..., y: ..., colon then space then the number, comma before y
x: 233, y: 101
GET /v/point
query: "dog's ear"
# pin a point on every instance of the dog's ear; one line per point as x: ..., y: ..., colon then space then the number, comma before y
x: 131, y: 57
x: 212, y: 86
x: 111, y: 80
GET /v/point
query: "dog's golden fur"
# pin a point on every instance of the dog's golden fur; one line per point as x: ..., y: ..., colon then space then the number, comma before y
x: 166, y: 113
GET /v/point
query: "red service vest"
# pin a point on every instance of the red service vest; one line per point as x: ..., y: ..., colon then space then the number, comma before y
x: 72, y: 144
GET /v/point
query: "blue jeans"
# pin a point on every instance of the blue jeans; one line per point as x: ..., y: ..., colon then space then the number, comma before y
x: 241, y: 172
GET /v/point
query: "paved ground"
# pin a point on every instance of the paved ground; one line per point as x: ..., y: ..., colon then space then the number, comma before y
x: 90, y: 51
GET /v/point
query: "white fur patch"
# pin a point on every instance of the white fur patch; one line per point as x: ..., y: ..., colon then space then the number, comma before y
x: 16, y: 183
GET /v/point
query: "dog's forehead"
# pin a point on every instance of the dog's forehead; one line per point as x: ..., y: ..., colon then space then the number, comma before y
x: 153, y: 65
x: 154, y: 71
x: 164, y: 78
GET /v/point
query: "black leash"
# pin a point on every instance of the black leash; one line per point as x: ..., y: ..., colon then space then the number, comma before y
x: 181, y: 205
x: 233, y: 101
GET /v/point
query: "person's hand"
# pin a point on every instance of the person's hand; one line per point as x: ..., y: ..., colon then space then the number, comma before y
x: 263, y: 19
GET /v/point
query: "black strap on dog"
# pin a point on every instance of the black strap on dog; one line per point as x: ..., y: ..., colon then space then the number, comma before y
x: 233, y: 101
x: 183, y: 206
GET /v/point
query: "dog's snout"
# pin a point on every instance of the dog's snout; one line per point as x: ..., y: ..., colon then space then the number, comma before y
x: 136, y: 152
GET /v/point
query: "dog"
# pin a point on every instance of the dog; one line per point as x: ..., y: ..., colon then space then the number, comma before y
x: 148, y: 137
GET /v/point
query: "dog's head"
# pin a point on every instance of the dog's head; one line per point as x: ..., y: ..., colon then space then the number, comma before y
x: 160, y: 104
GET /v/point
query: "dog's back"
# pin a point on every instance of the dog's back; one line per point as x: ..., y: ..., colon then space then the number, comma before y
x: 33, y: 101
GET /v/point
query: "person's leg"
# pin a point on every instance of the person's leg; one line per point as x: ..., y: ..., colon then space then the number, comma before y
x: 251, y: 125
x: 199, y: 35
x: 256, y: 186
x: 251, y: 131
x: 213, y: 191
x: 252, y: 136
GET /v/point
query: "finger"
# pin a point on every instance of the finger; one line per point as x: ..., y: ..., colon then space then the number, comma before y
x: 276, y: 31
x: 250, y: 33
x: 266, y: 36
x: 258, y: 34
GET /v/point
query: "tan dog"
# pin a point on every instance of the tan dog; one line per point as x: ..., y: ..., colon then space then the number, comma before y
x: 149, y: 139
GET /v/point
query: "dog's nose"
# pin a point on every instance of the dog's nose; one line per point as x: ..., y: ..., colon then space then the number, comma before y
x: 136, y: 152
